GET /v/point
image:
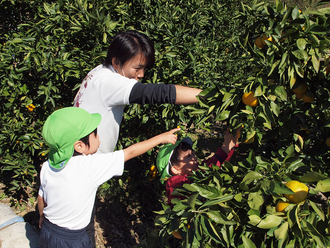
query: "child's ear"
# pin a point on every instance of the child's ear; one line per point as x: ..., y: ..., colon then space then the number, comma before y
x: 79, y: 146
x: 175, y: 170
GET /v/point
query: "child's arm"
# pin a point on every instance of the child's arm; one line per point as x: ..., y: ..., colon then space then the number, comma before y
x: 226, y: 151
x: 144, y: 146
x: 41, y: 205
x: 230, y: 141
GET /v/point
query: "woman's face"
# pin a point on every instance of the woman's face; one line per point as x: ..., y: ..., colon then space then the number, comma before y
x: 134, y: 68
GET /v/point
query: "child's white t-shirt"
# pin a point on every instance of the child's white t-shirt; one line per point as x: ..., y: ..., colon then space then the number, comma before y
x: 105, y: 92
x: 70, y: 192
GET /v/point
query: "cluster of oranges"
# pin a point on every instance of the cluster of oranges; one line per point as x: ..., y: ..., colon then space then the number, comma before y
x: 31, y: 107
x: 300, y: 193
x: 301, y: 91
x: 153, y: 172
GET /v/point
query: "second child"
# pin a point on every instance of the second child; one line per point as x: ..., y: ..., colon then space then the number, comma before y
x: 176, y: 162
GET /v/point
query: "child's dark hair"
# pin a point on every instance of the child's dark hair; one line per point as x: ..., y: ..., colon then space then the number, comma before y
x: 182, y: 147
x: 126, y: 45
x: 85, y: 140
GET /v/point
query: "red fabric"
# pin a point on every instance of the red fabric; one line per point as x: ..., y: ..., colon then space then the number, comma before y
x: 179, y: 180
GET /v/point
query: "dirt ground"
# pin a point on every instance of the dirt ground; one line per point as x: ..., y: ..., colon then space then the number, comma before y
x: 122, y: 221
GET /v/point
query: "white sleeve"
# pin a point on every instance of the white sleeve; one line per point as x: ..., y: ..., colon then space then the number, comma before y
x: 41, y: 173
x: 102, y: 167
x: 41, y: 191
x: 116, y: 90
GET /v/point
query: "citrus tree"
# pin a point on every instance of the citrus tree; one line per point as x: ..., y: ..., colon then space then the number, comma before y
x: 248, y: 205
x: 46, y: 50
x: 279, y: 195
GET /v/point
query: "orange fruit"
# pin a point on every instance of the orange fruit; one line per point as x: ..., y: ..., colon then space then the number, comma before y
x: 259, y: 42
x: 249, y: 99
x: 300, y: 191
x: 327, y: 141
x: 265, y: 37
x: 176, y: 234
x: 281, y: 206
x: 299, y: 96
x: 308, y: 96
x: 299, y: 88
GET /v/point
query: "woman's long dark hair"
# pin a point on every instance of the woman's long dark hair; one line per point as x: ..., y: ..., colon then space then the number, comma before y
x: 126, y: 45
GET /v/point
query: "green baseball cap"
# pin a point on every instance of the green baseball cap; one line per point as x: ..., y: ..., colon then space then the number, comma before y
x: 63, y: 128
x: 163, y: 158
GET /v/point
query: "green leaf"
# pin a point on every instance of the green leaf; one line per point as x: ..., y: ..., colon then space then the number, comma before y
x: 279, y: 5
x: 218, y: 200
x: 275, y: 108
x: 279, y: 188
x: 219, y: 218
x: 320, y: 240
x: 270, y: 221
x: 16, y: 40
x: 281, y: 92
x: 223, y: 115
x: 210, y: 230
x: 312, y: 177
x: 255, y: 200
x: 316, y: 63
x: 274, y: 66
x: 282, y: 231
x: 204, y: 190
x: 314, y: 39
x: 317, y: 29
x: 317, y: 210
x: 254, y: 220
x: 179, y: 206
x: 323, y: 186
x: 192, y: 201
x: 251, y: 176
x: 301, y: 43
x: 247, y: 242
x: 300, y: 54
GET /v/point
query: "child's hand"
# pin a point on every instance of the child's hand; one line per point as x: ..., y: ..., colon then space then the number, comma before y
x: 170, y: 136
x: 230, y: 140
x: 41, y: 220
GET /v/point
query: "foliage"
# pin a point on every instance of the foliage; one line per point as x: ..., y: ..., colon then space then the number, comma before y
x: 48, y: 47
x: 298, y: 53
x: 235, y: 207
x: 44, y: 55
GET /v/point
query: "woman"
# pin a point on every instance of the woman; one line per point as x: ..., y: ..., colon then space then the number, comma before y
x: 114, y: 84
x: 109, y: 87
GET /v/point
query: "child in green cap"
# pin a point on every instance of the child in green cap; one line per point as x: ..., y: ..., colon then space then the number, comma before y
x: 176, y: 161
x: 73, y: 172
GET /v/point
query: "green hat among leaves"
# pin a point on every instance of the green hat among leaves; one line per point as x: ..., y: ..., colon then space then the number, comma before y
x: 63, y: 128
x: 163, y: 158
